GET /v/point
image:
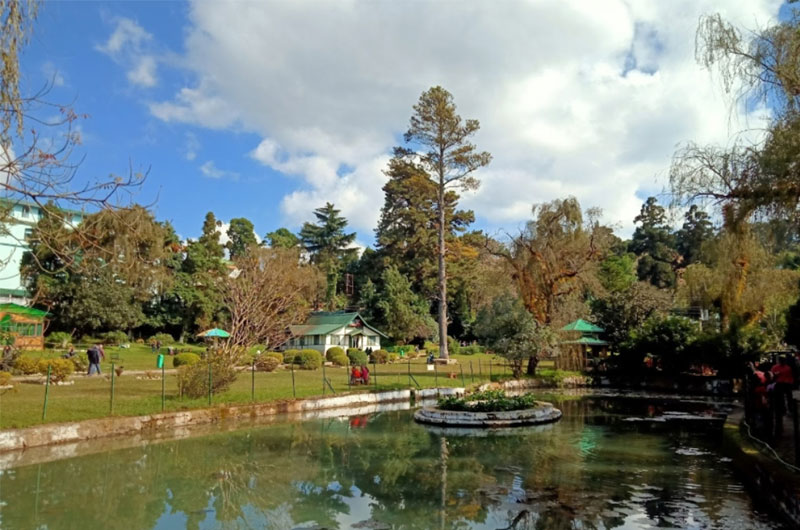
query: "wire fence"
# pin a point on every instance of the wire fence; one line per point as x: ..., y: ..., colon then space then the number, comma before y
x: 116, y: 392
x: 771, y: 414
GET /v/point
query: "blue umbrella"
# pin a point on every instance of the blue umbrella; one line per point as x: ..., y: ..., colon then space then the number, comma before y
x: 216, y: 332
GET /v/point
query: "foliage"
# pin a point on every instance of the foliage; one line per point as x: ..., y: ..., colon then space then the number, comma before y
x: 193, y: 379
x: 114, y: 337
x: 654, y: 243
x: 512, y: 332
x: 185, y: 359
x: 275, y: 355
x: 26, y: 365
x: 58, y: 339
x: 290, y: 356
x: 471, y: 349
x: 668, y: 339
x: 393, y: 357
x: 337, y: 356
x: 620, y: 312
x: 80, y: 363
x: 440, y: 145
x: 401, y: 313
x: 266, y: 363
x: 163, y: 338
x: 309, y: 360
x: 696, y: 231
x: 60, y: 369
x: 5, y: 378
x: 616, y: 273
x: 241, y: 237
x: 356, y: 356
x: 487, y: 401
x: 379, y: 357
x: 282, y: 238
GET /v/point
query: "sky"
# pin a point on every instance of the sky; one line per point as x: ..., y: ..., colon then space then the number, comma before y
x: 267, y: 110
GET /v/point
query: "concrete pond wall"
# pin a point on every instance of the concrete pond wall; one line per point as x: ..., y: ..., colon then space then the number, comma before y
x: 181, y: 423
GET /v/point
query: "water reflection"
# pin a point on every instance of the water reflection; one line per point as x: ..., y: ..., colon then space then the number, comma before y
x: 590, y: 470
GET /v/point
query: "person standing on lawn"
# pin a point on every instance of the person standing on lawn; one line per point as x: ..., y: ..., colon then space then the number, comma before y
x: 94, y: 360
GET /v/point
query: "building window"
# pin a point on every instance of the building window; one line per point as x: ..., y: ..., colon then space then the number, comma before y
x: 26, y: 210
x: 28, y: 234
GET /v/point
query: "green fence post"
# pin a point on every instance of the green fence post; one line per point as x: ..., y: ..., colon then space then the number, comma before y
x: 409, y: 372
x: 323, y: 378
x: 46, y: 391
x: 111, y: 405
x: 163, y: 390
x: 294, y: 390
x: 209, y: 383
x: 471, y: 373
x: 461, y: 367
x: 253, y: 383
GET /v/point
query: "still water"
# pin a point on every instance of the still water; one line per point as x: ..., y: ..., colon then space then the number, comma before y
x: 591, y: 470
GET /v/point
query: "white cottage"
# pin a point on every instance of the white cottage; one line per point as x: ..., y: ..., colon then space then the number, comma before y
x: 324, y: 330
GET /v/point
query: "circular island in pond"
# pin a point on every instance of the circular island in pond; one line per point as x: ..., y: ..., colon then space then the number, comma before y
x: 492, y: 409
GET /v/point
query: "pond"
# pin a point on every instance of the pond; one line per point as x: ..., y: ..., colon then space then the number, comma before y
x: 593, y: 469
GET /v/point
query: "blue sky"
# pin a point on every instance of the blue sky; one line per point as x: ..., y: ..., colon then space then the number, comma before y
x: 266, y: 110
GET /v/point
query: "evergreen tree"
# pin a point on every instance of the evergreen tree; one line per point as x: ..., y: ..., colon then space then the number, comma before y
x: 329, y: 246
x: 654, y: 243
x: 440, y: 142
x: 241, y: 236
x: 696, y: 230
x: 282, y: 238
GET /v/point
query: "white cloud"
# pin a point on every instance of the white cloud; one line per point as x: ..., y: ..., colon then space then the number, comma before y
x: 52, y: 74
x: 191, y: 146
x: 210, y: 170
x: 128, y: 45
x: 581, y: 98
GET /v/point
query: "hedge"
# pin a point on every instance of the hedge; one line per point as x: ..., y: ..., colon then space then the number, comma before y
x: 356, y: 356
x: 309, y: 360
x: 290, y: 356
x: 59, y: 368
x: 266, y: 362
x: 337, y: 356
x: 379, y: 357
x: 185, y: 359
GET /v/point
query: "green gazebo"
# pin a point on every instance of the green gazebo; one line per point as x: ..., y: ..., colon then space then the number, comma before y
x: 581, y: 342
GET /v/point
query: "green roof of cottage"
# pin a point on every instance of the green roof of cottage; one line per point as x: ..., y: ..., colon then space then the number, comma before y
x: 582, y: 326
x: 325, y: 322
x: 16, y: 309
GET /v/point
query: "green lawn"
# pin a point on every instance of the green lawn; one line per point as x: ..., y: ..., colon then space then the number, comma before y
x: 90, y: 397
x: 137, y: 357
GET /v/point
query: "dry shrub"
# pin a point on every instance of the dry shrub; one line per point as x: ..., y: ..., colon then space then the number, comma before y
x: 193, y: 380
x: 26, y: 365
x: 60, y: 369
x: 266, y: 363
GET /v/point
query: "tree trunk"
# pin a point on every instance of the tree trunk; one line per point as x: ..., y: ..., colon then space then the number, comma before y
x: 443, y: 354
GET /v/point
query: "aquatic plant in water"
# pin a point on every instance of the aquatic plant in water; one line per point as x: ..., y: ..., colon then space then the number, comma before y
x: 487, y: 401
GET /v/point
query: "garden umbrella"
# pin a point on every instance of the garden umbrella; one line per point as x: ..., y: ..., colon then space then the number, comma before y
x: 216, y: 332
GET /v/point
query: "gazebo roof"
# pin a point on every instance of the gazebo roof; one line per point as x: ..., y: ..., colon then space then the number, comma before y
x: 16, y: 309
x: 588, y: 341
x: 582, y: 326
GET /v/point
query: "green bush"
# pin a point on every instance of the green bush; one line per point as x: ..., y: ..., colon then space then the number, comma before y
x: 309, y: 360
x: 5, y: 378
x: 89, y: 340
x: 453, y: 346
x: 193, y: 379
x: 337, y: 356
x: 164, y: 338
x: 185, y: 359
x: 266, y: 363
x: 59, y: 368
x: 431, y: 347
x: 290, y: 356
x: 114, y: 337
x: 80, y: 363
x: 278, y: 356
x: 488, y: 401
x: 356, y: 356
x: 472, y: 349
x: 379, y: 357
x: 26, y: 365
x: 394, y: 357
x: 58, y: 339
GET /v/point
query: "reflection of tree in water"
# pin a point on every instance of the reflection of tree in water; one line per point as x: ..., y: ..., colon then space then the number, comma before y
x: 583, y: 472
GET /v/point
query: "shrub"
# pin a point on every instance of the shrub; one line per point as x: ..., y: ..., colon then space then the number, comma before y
x: 379, y: 357
x: 290, y: 356
x: 472, y: 349
x: 193, y: 379
x: 431, y: 347
x: 5, y: 378
x: 394, y: 357
x: 80, y: 363
x: 139, y: 341
x: 266, y: 363
x: 488, y: 401
x: 26, y: 365
x: 89, y: 339
x: 453, y: 346
x: 58, y: 339
x: 275, y: 355
x: 114, y: 337
x: 309, y: 360
x: 337, y: 356
x: 163, y: 338
x: 185, y: 359
x: 59, y: 368
x: 356, y: 356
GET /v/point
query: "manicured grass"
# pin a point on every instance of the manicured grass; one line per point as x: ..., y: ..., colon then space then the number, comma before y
x: 90, y: 397
x: 137, y: 357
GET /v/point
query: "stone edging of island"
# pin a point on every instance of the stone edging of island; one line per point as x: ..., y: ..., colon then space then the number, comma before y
x: 543, y: 412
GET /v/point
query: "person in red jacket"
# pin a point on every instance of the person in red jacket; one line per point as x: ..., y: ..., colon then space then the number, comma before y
x: 784, y: 381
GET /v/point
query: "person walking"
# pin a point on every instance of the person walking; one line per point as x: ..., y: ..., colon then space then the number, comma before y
x: 94, y: 360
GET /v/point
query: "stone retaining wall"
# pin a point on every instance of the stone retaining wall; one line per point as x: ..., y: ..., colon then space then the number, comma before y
x: 62, y: 433
x: 543, y: 412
